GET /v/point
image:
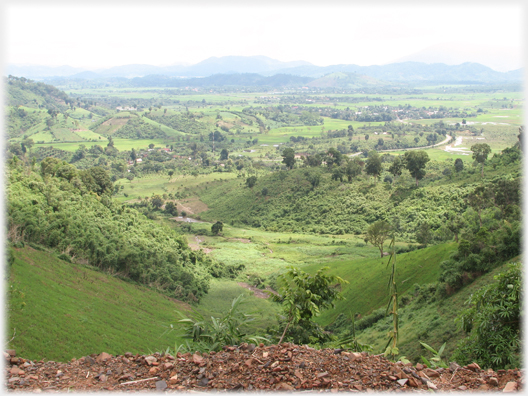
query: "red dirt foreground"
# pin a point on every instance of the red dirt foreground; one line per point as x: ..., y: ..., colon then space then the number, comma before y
x: 249, y: 368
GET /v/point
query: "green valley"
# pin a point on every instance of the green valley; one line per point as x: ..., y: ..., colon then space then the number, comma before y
x: 127, y: 204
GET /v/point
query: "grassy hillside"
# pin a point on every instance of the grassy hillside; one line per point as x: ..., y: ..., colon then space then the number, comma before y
x: 72, y: 310
x: 62, y: 310
x: 428, y: 320
x: 368, y: 278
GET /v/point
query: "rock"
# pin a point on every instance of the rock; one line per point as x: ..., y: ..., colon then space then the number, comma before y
x: 103, y: 357
x: 419, y: 367
x: 393, y: 378
x: 11, y: 352
x: 493, y: 381
x: 173, y: 380
x: 473, y: 367
x: 15, y: 370
x: 153, y: 371
x: 453, y: 366
x: 249, y: 362
x: 431, y: 373
x: 462, y: 388
x: 203, y: 382
x: 402, y: 382
x: 412, y: 382
x: 150, y: 360
x: 103, y: 378
x: 197, y: 359
x: 161, y: 386
x: 322, y: 375
x: 284, y: 386
x: 167, y: 366
x: 89, y: 360
x: 355, y: 356
x: 430, y: 385
x: 510, y: 387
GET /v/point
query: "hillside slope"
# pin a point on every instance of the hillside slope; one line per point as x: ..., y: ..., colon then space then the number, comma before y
x: 59, y: 310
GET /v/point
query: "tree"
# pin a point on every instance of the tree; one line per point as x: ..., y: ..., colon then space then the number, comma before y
x: 454, y: 223
x: 373, y: 165
x: 288, y: 157
x: 423, y: 234
x: 224, y: 155
x: 415, y: 162
x: 377, y: 233
x: 171, y: 208
x: 251, y: 181
x: 459, y: 165
x: 396, y: 168
x: 493, y: 323
x: 97, y: 179
x: 151, y: 145
x: 217, y: 227
x: 304, y: 296
x: 366, y: 137
x: 170, y: 173
x: 480, y: 154
x: 333, y: 157
x: 157, y: 201
x: 353, y: 168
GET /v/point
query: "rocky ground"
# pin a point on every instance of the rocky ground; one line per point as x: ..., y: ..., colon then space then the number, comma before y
x: 249, y: 368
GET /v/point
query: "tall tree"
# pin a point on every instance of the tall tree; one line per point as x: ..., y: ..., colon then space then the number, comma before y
x: 333, y: 157
x: 480, y: 154
x: 459, y: 165
x: 288, y: 157
x: 415, y: 162
x: 377, y: 233
x: 396, y: 167
x: 373, y: 166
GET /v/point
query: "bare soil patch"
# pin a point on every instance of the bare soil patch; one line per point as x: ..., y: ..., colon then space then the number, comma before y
x: 240, y: 240
x: 285, y: 367
x: 192, y: 206
x: 259, y: 293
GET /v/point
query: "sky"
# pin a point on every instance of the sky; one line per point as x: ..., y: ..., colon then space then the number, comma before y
x: 100, y: 35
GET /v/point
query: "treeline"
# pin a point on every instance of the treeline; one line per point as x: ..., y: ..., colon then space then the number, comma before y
x: 343, y: 197
x: 72, y: 212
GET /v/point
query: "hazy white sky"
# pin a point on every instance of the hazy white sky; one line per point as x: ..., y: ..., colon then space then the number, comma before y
x: 98, y: 35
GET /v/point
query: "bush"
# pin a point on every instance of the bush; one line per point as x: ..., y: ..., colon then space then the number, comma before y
x: 493, y: 323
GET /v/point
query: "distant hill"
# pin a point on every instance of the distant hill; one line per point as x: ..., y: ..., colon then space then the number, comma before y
x: 207, y: 67
x: 344, y: 80
x: 267, y: 67
x: 234, y: 79
x: 502, y: 59
x: 414, y: 71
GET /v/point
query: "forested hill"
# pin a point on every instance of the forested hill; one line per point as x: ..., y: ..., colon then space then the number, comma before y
x: 72, y: 212
x: 24, y: 92
x: 320, y: 200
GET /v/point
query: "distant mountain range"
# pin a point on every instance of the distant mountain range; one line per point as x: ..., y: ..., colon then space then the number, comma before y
x: 267, y: 67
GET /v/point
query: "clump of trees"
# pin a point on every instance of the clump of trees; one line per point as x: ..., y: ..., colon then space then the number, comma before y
x: 71, y: 211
